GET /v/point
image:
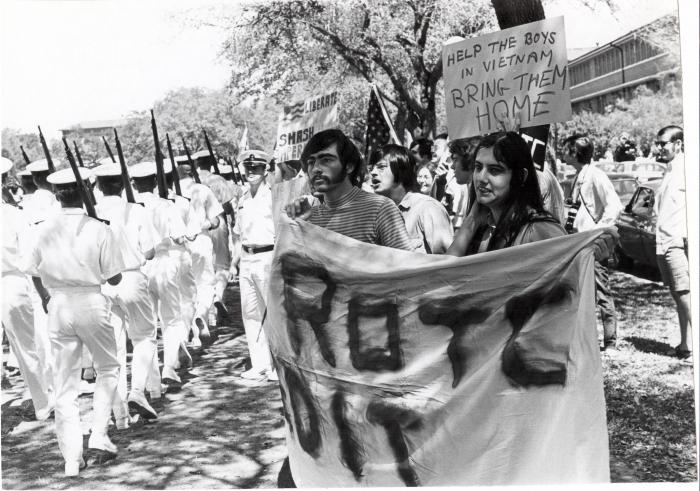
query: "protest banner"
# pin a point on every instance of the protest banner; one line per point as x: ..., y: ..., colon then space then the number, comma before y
x: 399, y: 368
x: 299, y: 122
x: 521, y: 70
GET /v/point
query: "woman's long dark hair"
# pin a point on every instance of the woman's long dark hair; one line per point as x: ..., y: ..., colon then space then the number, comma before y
x: 524, y: 197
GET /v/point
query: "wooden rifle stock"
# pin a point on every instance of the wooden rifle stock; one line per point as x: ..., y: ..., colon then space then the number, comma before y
x: 195, y: 174
x: 215, y: 161
x: 176, y: 175
x: 160, y: 173
x: 84, y: 196
x: 109, y: 150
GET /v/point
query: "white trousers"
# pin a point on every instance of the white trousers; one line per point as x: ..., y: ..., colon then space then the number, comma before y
x: 163, y: 273
x: 135, y: 311
x: 188, y: 286
x: 18, y: 320
x: 253, y: 280
x: 41, y: 337
x: 202, y: 251
x: 80, y: 316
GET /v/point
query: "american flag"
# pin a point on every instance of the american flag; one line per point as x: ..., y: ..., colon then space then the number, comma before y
x: 379, y: 128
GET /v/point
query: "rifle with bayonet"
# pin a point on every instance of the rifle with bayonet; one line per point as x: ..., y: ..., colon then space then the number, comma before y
x: 176, y: 175
x: 193, y: 166
x: 49, y: 161
x: 77, y: 154
x: 109, y: 150
x: 82, y: 190
x: 24, y: 155
x: 211, y: 152
x: 160, y: 172
x: 125, y: 172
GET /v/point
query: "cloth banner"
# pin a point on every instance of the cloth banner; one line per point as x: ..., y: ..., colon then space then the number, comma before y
x: 403, y: 369
x: 300, y: 121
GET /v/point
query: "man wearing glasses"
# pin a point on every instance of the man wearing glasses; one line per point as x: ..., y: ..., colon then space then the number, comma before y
x: 671, y: 231
x: 598, y: 207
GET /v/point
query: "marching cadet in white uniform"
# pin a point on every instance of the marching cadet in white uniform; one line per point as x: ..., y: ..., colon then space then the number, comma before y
x: 255, y: 226
x: 17, y: 310
x: 206, y: 214
x: 73, y: 255
x: 132, y: 301
x: 38, y: 207
x: 163, y: 270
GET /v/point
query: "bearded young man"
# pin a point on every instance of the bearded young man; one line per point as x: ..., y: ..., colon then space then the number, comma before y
x: 335, y: 171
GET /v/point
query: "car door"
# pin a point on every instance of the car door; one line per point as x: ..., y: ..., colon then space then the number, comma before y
x: 633, y: 222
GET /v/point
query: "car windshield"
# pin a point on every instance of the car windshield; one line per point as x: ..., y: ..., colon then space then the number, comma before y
x: 643, y: 203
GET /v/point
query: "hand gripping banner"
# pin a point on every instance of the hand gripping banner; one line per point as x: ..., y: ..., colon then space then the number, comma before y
x: 402, y: 369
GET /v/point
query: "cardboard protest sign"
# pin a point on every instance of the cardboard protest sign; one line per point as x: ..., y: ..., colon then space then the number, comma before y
x: 399, y: 368
x: 285, y: 192
x: 299, y: 122
x: 519, y: 70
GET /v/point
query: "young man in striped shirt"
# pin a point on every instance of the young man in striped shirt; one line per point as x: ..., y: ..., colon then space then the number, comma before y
x: 335, y: 170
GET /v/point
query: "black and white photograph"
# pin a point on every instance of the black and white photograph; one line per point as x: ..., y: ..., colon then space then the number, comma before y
x: 349, y: 243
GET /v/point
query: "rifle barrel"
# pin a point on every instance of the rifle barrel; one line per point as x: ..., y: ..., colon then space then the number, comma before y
x: 47, y: 154
x: 109, y: 150
x: 125, y: 171
x: 24, y: 155
x: 193, y: 165
x: 176, y: 176
x: 211, y: 152
x: 160, y: 173
x: 89, y: 207
x: 77, y: 154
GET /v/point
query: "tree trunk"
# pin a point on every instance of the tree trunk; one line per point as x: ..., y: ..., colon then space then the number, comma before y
x: 511, y: 13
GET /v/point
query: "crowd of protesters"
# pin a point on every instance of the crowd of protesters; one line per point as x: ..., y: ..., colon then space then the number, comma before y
x: 77, y: 287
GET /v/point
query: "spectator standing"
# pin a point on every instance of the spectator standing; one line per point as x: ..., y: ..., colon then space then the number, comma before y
x: 334, y: 167
x: 598, y: 206
x: 671, y: 229
x: 394, y: 176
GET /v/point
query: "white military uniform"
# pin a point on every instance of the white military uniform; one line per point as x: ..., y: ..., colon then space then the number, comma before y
x: 203, y: 206
x: 73, y: 255
x: 163, y: 270
x: 17, y: 309
x: 255, y: 226
x: 133, y: 305
x: 220, y: 235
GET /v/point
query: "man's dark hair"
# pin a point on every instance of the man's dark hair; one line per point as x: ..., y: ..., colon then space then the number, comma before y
x: 402, y: 164
x: 69, y: 196
x: 674, y: 133
x: 28, y: 184
x: 425, y: 147
x: 442, y: 136
x: 144, y: 184
x: 205, y: 162
x: 40, y: 179
x: 465, y: 148
x: 583, y: 146
x: 347, y: 152
x: 110, y: 185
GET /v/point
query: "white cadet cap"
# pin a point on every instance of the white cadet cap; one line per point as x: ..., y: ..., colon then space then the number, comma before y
x: 201, y: 154
x: 225, y: 169
x: 181, y: 159
x: 42, y: 165
x: 143, y: 169
x: 105, y: 160
x: 5, y: 165
x: 24, y: 173
x: 107, y: 170
x: 167, y: 166
x: 66, y: 176
x: 254, y: 157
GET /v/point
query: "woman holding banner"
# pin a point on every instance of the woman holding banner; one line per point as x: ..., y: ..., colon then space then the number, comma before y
x: 509, y: 209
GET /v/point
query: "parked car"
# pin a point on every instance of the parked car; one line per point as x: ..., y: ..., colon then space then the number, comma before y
x: 608, y: 166
x: 646, y: 171
x: 637, y: 227
x: 625, y: 185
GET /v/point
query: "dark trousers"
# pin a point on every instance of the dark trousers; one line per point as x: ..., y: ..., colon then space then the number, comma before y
x: 605, y: 301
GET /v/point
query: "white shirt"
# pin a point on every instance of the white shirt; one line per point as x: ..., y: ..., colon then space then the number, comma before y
x: 166, y: 219
x: 670, y: 207
x: 73, y: 250
x: 254, y: 222
x: 203, y: 204
x: 15, y: 236
x: 40, y: 205
x: 131, y: 225
x: 600, y: 204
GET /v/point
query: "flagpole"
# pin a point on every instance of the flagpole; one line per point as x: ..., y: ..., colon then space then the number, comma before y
x: 392, y: 131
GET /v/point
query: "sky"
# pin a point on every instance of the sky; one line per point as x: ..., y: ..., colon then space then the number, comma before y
x: 63, y: 62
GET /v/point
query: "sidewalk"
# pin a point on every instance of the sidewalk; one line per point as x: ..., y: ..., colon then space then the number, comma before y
x: 217, y: 432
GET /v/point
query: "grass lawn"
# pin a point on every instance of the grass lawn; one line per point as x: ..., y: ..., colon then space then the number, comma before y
x: 651, y: 413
